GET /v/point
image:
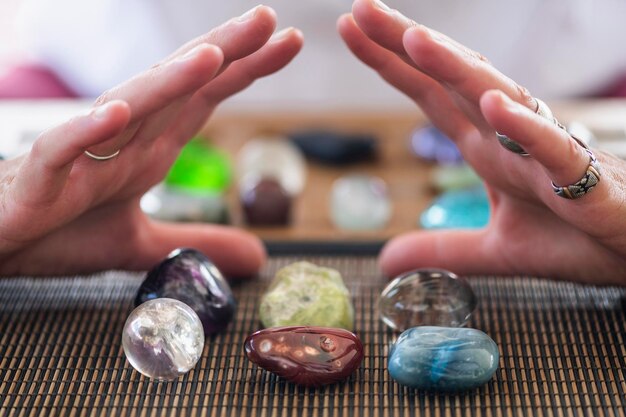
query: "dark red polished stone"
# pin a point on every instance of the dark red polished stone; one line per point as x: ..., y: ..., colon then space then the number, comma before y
x: 266, y: 203
x: 309, y: 356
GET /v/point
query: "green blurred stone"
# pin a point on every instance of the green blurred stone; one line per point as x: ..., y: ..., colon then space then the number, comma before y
x: 304, y: 294
x: 200, y: 167
x: 454, y: 177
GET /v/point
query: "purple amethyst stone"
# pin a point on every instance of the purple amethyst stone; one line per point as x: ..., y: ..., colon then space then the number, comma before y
x: 432, y: 144
x: 189, y: 276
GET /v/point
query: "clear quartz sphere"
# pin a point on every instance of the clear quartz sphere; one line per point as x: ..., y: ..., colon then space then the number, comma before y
x: 427, y: 297
x: 163, y: 338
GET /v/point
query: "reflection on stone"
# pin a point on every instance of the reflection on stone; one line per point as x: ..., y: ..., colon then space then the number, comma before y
x: 443, y: 359
x: 163, y: 338
x: 189, y: 276
x: 426, y: 297
x: 309, y: 356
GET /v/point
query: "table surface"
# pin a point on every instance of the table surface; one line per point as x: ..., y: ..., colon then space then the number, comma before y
x: 402, y: 171
x: 562, y: 348
x: 407, y: 177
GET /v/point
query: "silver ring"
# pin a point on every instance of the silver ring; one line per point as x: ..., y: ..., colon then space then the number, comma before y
x: 589, y: 180
x: 542, y: 110
x: 102, y: 157
x: 511, y: 145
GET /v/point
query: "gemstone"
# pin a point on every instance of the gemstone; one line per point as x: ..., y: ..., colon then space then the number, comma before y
x: 468, y: 209
x: 360, y: 202
x: 200, y: 167
x: 265, y: 202
x: 183, y: 205
x: 455, y: 177
x: 272, y: 157
x: 304, y: 294
x: 163, y: 338
x: 432, y: 144
x: 309, y: 356
x: 189, y: 276
x: 335, y: 148
x: 426, y: 297
x: 443, y: 359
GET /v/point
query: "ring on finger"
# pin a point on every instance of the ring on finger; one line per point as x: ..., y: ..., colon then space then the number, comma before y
x: 586, y: 183
x: 102, y: 157
x: 542, y: 110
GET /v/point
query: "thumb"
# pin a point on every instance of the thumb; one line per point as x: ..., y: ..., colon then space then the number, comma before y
x: 464, y: 252
x: 236, y: 253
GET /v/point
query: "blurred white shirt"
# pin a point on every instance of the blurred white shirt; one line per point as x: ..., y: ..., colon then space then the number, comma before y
x: 556, y: 48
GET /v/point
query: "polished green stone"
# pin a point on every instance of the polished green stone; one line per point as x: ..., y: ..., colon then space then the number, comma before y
x: 304, y: 294
x: 200, y: 167
x: 454, y: 177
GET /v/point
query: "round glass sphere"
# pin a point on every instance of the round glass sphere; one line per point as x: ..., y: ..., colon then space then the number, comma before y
x: 163, y: 338
x: 273, y: 157
x: 427, y: 297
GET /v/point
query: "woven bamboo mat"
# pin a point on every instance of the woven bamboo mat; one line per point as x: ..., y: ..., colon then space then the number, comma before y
x: 562, y: 354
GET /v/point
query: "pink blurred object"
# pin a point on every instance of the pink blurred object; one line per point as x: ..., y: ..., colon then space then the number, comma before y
x: 32, y: 81
x: 615, y: 89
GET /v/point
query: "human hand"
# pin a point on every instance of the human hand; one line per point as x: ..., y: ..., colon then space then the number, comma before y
x: 532, y: 231
x: 62, y: 212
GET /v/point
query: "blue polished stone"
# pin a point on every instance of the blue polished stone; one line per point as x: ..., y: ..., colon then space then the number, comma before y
x: 461, y: 209
x: 189, y: 276
x: 443, y: 359
x: 431, y: 144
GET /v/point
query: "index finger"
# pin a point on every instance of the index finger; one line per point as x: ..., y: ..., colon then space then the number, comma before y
x: 443, y: 59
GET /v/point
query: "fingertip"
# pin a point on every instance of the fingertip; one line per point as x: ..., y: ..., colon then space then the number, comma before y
x: 499, y: 109
x: 266, y: 11
x: 210, y: 60
x: 363, y: 9
x: 202, y: 62
x: 417, y: 37
x: 343, y: 20
x: 266, y: 16
x: 425, y: 50
x: 111, y: 117
x: 298, y: 34
x: 290, y: 34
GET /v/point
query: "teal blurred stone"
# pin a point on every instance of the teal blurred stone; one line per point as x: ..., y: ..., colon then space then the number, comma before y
x: 304, y: 294
x: 443, y: 359
x: 460, y: 209
x: 454, y: 177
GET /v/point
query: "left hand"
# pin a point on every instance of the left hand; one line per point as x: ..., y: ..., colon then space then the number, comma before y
x: 532, y: 230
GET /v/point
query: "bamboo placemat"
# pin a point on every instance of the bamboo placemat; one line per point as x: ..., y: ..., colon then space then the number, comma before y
x: 562, y: 354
